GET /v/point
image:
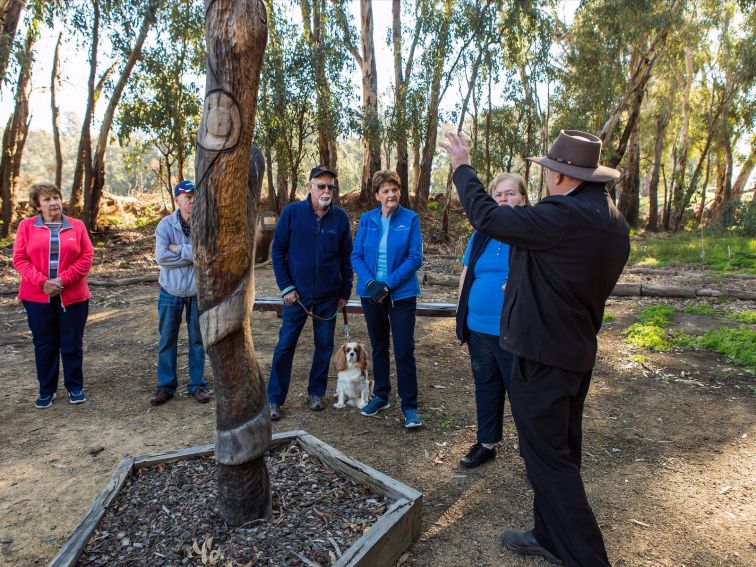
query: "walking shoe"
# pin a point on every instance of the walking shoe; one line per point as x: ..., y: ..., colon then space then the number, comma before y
x: 525, y: 543
x: 275, y: 412
x: 411, y: 419
x: 76, y: 397
x: 43, y: 403
x: 315, y: 402
x: 476, y: 456
x: 201, y: 395
x: 160, y: 397
x: 374, y: 406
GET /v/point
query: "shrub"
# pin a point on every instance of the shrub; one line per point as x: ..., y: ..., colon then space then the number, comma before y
x: 650, y: 337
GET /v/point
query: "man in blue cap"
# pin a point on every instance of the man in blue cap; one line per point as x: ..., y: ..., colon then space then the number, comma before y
x: 178, y: 291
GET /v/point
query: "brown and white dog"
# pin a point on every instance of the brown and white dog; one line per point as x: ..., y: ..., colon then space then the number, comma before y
x: 354, y: 387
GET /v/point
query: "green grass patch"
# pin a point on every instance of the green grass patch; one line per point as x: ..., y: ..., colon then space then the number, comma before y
x: 608, y: 317
x: 737, y: 345
x: 746, y: 316
x: 650, y: 337
x: 721, y: 253
x: 657, y: 315
x: 700, y: 310
x: 637, y: 358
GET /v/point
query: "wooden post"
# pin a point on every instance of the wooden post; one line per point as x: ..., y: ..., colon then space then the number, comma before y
x: 223, y: 224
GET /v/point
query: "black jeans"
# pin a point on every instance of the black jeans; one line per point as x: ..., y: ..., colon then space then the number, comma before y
x: 57, y: 334
x: 547, y: 406
x: 395, y: 318
x: 492, y: 372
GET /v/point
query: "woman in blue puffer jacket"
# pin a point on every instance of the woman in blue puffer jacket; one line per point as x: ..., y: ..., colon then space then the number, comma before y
x: 388, y: 251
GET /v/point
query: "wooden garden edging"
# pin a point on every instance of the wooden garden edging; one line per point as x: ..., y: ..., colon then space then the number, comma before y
x: 380, y: 546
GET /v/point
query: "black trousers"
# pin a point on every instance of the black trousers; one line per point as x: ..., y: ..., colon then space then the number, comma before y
x: 547, y: 406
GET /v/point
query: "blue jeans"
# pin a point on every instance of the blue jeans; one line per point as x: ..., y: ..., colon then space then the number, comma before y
x: 294, y: 319
x: 492, y: 372
x: 170, y: 309
x: 58, y: 333
x: 395, y: 318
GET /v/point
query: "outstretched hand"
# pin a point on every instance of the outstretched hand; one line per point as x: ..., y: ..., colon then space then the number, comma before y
x: 458, y: 149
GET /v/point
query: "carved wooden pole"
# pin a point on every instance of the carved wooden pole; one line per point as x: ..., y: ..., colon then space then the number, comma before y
x: 223, y: 220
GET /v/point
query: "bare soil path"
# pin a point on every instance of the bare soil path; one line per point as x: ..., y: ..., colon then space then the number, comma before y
x: 669, y: 447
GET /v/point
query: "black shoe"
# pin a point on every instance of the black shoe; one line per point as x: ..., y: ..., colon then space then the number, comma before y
x: 315, y: 402
x: 476, y: 456
x: 275, y: 412
x: 525, y: 543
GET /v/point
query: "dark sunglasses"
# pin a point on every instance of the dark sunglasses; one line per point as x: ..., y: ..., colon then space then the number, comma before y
x: 324, y: 186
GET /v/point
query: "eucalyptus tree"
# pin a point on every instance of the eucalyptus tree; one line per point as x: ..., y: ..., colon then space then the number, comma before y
x: 17, y: 127
x: 161, y: 102
x: 287, y: 115
x: 10, y: 12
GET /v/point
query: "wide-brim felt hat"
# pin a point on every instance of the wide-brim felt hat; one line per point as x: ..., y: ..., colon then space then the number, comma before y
x: 577, y: 154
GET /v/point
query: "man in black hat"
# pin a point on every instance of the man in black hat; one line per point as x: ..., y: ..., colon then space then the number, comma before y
x: 568, y: 252
x: 310, y: 252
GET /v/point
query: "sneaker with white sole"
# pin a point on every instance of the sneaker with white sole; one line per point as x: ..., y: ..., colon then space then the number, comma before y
x: 374, y: 406
x: 43, y: 403
x: 411, y: 419
x: 76, y: 397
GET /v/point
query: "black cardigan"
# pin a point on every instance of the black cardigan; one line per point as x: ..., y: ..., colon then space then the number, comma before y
x: 478, y: 246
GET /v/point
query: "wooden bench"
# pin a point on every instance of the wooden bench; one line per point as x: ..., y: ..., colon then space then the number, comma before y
x: 267, y: 303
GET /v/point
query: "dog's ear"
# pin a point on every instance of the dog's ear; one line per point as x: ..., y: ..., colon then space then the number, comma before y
x: 362, y: 359
x: 340, y: 361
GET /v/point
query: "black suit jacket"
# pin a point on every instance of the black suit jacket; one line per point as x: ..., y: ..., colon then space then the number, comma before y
x: 567, y: 254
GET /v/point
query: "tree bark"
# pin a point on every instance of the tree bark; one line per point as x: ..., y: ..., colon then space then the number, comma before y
x: 11, y: 16
x: 223, y: 226
x: 312, y: 21
x: 400, y: 89
x: 14, y: 136
x: 678, y: 178
x: 54, y: 80
x: 629, y: 199
x: 93, y: 190
x: 84, y: 155
x: 653, y: 187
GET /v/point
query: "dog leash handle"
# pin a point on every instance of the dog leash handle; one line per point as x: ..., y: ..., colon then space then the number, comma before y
x: 346, y: 324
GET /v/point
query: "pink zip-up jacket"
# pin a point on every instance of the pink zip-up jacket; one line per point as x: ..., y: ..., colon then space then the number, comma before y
x: 31, y: 259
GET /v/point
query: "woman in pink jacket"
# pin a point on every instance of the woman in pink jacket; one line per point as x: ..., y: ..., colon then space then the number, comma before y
x: 53, y: 254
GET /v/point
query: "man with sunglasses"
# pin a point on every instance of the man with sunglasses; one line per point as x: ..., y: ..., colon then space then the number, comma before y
x: 311, y: 249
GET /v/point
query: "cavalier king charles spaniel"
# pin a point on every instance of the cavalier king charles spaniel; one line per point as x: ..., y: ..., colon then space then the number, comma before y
x: 354, y: 387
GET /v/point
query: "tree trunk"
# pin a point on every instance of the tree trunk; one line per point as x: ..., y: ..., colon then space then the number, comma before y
x: 84, y: 154
x: 14, y: 137
x: 371, y: 141
x: 312, y: 21
x: 400, y: 89
x: 93, y: 190
x: 629, y: 199
x: 11, y: 16
x: 678, y: 179
x: 738, y: 188
x: 223, y: 226
x: 653, y: 186
x: 423, y: 181
x: 54, y: 80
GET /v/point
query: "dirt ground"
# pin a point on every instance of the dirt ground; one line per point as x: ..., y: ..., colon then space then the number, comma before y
x: 669, y: 448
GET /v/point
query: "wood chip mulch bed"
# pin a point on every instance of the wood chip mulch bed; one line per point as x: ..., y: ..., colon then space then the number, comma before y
x: 167, y: 515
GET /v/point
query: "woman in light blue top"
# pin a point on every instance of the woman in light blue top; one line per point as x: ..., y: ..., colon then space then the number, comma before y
x: 481, y: 298
x: 388, y: 251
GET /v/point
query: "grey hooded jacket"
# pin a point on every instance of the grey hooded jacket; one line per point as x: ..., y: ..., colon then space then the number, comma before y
x: 176, y: 268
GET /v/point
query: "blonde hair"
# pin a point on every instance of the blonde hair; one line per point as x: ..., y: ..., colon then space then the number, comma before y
x: 38, y: 188
x: 519, y: 181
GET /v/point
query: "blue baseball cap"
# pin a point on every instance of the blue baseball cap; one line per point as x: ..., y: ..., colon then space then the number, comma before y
x: 184, y: 186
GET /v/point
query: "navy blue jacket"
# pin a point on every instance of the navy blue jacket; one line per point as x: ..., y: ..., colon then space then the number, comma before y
x: 567, y: 254
x: 312, y: 253
x: 404, y: 250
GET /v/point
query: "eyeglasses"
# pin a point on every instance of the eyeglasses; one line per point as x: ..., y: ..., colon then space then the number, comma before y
x: 324, y: 186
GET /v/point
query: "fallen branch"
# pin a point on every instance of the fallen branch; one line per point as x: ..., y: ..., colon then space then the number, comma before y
x: 661, y: 272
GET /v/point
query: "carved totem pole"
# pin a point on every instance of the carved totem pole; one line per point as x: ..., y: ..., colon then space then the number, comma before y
x: 223, y: 227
